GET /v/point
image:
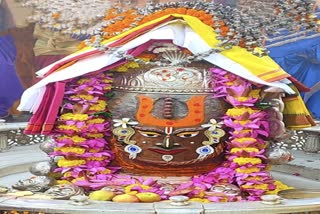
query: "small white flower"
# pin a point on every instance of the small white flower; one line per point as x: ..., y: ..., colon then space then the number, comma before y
x: 124, y: 122
x: 212, y: 125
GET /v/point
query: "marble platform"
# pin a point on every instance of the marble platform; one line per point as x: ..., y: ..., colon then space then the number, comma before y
x: 15, y: 162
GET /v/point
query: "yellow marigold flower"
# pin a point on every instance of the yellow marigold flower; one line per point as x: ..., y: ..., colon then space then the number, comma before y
x: 76, y: 150
x: 107, y: 80
x: 127, y: 189
x: 244, y: 139
x: 78, y: 179
x: 234, y: 112
x: 88, y: 88
x: 255, y: 93
x: 200, y: 200
x: 125, y: 67
x: 107, y: 87
x: 145, y: 59
x: 249, y: 149
x: 93, y: 150
x: 224, y: 199
x: 106, y: 171
x: 226, y: 180
x: 75, y: 138
x: 55, y: 175
x: 78, y: 139
x: 242, y: 122
x: 243, y: 131
x: 96, y: 159
x: 132, y: 64
x: 242, y: 99
x: 257, y: 178
x: 84, y: 96
x: 66, y: 127
x: 70, y: 163
x: 55, y: 15
x: 244, y: 161
x: 76, y: 117
x: 230, y: 83
x: 100, y: 106
x: 248, y: 170
x: 63, y: 137
x: 279, y: 186
x: 67, y: 174
x: 268, y: 167
x: 256, y: 186
x: 83, y: 80
x: 95, y: 135
x: 96, y: 121
x: 59, y: 182
x: 201, y: 194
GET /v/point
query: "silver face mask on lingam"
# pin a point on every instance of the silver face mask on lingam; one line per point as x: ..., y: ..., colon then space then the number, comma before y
x: 164, y: 120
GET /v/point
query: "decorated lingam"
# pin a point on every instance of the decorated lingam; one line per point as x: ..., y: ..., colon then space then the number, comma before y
x: 166, y: 118
x: 174, y: 90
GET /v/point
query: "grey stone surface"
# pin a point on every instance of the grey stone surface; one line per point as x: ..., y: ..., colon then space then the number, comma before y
x: 313, y: 128
x: 14, y: 165
x: 166, y: 208
x: 19, y: 159
x: 12, y: 126
x: 305, y: 165
x: 296, y: 181
x: 64, y: 206
x: 286, y: 206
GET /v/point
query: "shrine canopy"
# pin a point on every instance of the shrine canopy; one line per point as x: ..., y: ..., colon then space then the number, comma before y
x: 184, y: 31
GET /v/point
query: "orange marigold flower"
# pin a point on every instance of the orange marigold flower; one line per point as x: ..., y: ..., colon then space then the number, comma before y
x: 55, y: 15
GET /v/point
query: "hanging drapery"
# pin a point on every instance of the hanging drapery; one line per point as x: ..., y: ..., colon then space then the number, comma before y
x: 10, y: 85
x: 302, y: 60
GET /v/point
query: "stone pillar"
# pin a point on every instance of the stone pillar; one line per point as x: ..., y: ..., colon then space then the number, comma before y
x: 312, y: 143
x: 3, y: 141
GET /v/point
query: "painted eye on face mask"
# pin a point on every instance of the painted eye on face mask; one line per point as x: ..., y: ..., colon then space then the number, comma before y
x: 188, y: 134
x: 149, y: 134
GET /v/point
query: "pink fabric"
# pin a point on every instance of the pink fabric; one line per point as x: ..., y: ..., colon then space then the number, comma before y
x: 45, y: 60
x: 43, y: 120
x: 78, y: 57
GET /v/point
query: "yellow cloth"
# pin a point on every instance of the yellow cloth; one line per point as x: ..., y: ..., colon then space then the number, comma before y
x: 295, y: 113
x: 263, y: 67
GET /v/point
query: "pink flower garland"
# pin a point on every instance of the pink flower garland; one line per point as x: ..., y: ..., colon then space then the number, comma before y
x: 81, y: 129
x: 80, y: 137
x: 247, y: 134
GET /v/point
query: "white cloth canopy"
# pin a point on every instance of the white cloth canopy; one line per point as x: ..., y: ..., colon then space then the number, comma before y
x: 178, y: 31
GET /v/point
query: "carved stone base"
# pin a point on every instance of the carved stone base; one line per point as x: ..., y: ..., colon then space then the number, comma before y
x: 312, y: 143
x: 3, y: 141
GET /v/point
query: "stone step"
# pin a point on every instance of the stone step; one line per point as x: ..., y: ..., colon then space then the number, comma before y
x: 306, y: 165
x: 19, y: 159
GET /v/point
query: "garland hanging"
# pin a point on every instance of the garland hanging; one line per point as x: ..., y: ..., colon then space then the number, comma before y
x: 83, y: 126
